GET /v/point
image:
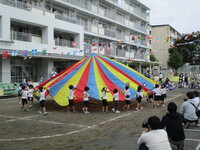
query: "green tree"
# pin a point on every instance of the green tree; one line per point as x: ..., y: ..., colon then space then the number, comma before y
x: 175, y: 59
x: 153, y: 58
x: 188, y: 45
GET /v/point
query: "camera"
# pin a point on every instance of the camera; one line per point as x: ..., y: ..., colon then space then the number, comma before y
x: 145, y: 125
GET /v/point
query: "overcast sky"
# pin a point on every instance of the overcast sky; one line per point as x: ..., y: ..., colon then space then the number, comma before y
x: 182, y: 15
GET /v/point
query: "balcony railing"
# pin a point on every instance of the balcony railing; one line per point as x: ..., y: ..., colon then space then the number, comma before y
x: 18, y: 4
x: 65, y: 18
x: 21, y: 36
x: 63, y: 42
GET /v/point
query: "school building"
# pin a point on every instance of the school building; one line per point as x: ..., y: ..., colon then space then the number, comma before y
x: 38, y: 35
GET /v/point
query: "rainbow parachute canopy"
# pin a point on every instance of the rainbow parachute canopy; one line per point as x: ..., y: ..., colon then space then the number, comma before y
x: 96, y: 72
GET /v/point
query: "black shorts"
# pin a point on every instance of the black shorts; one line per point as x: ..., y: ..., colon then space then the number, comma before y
x: 30, y: 98
x: 157, y: 97
x: 163, y: 97
x: 150, y: 96
x: 71, y: 102
x: 104, y: 102
x: 139, y: 99
x: 24, y: 101
x: 19, y: 94
x: 42, y: 103
x: 127, y: 102
x: 86, y: 103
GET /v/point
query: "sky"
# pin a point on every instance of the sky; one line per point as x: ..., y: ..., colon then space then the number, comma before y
x: 182, y: 15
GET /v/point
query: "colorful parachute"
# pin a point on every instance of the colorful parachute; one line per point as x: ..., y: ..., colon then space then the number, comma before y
x: 95, y: 72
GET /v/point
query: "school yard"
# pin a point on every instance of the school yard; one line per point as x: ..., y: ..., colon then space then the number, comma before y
x: 77, y: 131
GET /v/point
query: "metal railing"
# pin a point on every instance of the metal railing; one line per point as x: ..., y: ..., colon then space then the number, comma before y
x: 18, y: 4
x: 21, y: 36
x: 62, y: 42
x: 65, y: 18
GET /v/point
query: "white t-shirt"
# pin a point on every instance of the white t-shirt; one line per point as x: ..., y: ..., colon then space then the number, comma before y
x: 116, y: 96
x: 140, y: 94
x: 24, y: 94
x: 30, y: 92
x: 155, y: 140
x: 127, y: 92
x: 157, y: 91
x: 104, y: 95
x: 160, y: 76
x: 86, y: 96
x: 71, y: 94
x: 163, y: 91
x: 42, y: 95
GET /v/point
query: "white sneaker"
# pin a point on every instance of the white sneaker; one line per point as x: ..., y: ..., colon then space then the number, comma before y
x: 40, y: 112
x: 44, y: 113
x: 141, y: 108
x: 87, y: 112
x: 117, y: 112
x: 137, y: 109
x: 113, y: 109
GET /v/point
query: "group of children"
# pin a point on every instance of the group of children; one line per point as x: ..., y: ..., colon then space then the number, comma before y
x: 157, y: 95
x: 25, y: 94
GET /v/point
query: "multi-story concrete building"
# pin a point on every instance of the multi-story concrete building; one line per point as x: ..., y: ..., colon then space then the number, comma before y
x: 162, y: 39
x: 43, y: 34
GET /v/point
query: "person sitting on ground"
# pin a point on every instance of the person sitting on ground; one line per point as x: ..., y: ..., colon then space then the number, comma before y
x: 174, y: 127
x: 188, y: 111
x: 152, y: 137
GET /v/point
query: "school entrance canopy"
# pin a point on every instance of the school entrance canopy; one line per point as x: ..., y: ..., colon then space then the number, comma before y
x: 95, y: 72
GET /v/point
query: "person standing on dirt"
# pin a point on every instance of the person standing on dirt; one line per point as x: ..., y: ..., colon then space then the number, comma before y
x: 160, y: 78
x: 104, y: 100
x: 139, y: 96
x: 127, y: 94
x: 71, y: 98
x: 157, y: 95
x: 188, y: 111
x: 24, y: 93
x: 86, y: 96
x: 173, y: 121
x: 42, y: 99
x: 30, y: 96
x: 116, y: 101
x: 20, y: 93
x: 153, y: 138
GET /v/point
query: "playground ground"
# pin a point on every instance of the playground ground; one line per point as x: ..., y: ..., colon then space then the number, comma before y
x: 77, y: 131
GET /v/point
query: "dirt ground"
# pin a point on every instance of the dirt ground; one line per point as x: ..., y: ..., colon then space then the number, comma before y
x: 77, y: 131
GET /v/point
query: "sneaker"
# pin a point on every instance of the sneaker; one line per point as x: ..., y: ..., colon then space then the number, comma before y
x: 158, y: 105
x: 117, y: 112
x: 113, y: 109
x: 26, y: 110
x: 87, y: 112
x: 136, y: 109
x: 141, y: 108
x: 163, y: 105
x: 74, y: 111
x: 40, y: 112
x: 197, y: 125
x: 30, y: 106
x: 44, y: 113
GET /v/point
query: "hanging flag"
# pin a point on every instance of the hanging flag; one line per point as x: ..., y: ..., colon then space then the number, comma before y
x: 139, y: 38
x: 107, y: 49
x: 80, y: 51
x: 101, y: 48
x: 24, y: 54
x: 94, y: 44
x: 34, y: 52
x: 87, y: 51
x: 167, y: 39
x: 95, y: 49
x: 132, y: 37
x: 74, y: 52
x: 14, y: 53
x: 74, y: 44
x: 61, y: 53
x: 54, y: 48
x: 68, y: 53
x: 148, y: 37
x: 4, y: 54
x: 85, y: 43
x: 44, y: 51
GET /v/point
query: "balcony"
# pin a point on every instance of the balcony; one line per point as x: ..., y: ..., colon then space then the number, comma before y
x: 18, y: 4
x: 63, y: 42
x: 27, y: 37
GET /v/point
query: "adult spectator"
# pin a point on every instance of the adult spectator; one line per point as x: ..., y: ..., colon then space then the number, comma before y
x: 188, y: 111
x: 152, y: 137
x: 196, y: 100
x: 53, y: 72
x: 181, y: 77
x: 173, y: 123
x: 186, y: 79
